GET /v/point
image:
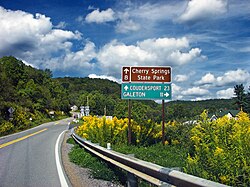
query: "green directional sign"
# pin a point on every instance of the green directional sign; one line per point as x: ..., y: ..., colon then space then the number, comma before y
x: 145, y: 91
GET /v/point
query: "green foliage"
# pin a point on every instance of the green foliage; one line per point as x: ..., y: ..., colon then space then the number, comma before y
x: 222, y: 150
x: 71, y: 141
x: 190, y: 110
x: 216, y: 150
x: 178, y: 133
x: 167, y: 156
x: 31, y: 92
x: 6, y: 128
x: 239, y: 91
x: 99, y: 168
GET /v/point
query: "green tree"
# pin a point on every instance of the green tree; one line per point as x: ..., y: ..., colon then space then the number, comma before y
x: 239, y: 91
x: 248, y: 101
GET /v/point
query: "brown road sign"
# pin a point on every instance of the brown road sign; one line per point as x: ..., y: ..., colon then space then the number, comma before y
x: 146, y: 74
x: 125, y: 74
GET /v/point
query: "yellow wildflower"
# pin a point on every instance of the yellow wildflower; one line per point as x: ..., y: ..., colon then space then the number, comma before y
x: 218, y: 151
x: 175, y: 142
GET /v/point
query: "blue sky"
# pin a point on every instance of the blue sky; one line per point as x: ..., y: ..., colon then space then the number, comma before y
x: 206, y: 42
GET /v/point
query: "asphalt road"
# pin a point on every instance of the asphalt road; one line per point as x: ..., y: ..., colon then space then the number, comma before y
x: 27, y: 159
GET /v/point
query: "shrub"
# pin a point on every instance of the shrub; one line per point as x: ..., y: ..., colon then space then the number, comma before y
x: 6, y: 128
x: 221, y: 150
x: 102, y: 130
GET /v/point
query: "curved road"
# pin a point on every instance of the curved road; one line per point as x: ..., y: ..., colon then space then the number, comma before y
x: 28, y: 159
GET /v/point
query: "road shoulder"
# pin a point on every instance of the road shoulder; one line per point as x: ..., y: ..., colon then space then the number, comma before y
x: 77, y: 175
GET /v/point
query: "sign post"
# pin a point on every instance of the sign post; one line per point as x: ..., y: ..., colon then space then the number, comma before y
x: 163, y: 123
x: 146, y: 83
x: 129, y: 122
x: 11, y: 111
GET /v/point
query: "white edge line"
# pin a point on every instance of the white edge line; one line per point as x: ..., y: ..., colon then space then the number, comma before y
x: 58, y: 163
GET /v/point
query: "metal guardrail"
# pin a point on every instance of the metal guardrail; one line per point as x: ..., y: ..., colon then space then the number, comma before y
x: 150, y: 172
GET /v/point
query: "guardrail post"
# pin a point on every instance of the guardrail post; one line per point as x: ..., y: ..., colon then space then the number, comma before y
x: 109, y: 146
x: 132, y: 180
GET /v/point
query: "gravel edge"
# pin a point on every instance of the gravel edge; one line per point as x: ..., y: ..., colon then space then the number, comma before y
x: 77, y: 175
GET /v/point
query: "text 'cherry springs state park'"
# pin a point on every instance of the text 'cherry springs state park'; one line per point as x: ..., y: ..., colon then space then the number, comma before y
x: 146, y: 74
x: 146, y: 83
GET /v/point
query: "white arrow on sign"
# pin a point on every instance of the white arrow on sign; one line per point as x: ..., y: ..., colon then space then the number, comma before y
x: 126, y: 88
x: 126, y: 70
x: 166, y: 94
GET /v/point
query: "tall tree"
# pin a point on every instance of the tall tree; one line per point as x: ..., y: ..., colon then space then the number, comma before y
x: 239, y: 91
x: 248, y: 101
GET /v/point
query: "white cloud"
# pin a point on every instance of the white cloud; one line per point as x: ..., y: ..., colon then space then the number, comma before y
x: 20, y: 30
x: 150, y: 52
x: 168, y: 50
x: 206, y: 79
x: 181, y: 78
x: 195, y: 91
x: 98, y: 16
x: 61, y: 25
x: 231, y: 78
x: 203, y: 9
x: 33, y: 39
x: 184, y: 58
x: 157, y: 11
x: 134, y: 17
x: 80, y: 59
x: 127, y: 25
x: 225, y: 94
x: 80, y: 19
x: 176, y: 92
x: 114, y: 55
x: 94, y: 76
x: 165, y: 44
x: 145, y: 16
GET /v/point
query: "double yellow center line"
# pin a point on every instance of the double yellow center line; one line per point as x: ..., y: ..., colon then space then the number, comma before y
x: 20, y: 139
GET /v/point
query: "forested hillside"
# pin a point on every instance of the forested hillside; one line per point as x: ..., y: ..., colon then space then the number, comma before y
x: 32, y: 93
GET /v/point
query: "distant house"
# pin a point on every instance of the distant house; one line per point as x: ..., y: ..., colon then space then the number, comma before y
x: 229, y: 113
x: 74, y: 108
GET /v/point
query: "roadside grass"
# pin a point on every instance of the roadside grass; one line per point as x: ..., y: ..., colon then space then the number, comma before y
x: 71, y: 141
x: 99, y: 169
x: 167, y: 156
x: 171, y: 156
